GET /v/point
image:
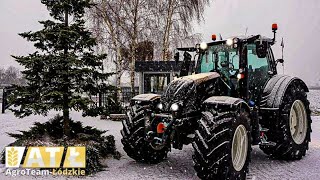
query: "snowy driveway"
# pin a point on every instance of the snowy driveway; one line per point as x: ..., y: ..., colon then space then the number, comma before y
x: 179, y: 164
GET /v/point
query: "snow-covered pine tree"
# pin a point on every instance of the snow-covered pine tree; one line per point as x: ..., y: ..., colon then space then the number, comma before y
x: 65, y: 66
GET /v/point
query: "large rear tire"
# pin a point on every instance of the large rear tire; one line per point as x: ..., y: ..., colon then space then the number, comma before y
x: 222, y: 145
x: 134, y: 143
x: 292, y: 132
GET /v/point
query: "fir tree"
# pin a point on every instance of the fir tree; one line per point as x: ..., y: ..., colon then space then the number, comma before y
x: 64, y: 67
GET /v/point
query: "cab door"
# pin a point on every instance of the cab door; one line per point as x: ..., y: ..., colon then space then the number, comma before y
x: 258, y: 73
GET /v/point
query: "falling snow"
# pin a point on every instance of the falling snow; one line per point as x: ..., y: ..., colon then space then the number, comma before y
x: 179, y: 164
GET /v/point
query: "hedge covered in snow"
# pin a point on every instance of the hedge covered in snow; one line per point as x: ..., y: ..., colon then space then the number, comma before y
x: 98, y: 146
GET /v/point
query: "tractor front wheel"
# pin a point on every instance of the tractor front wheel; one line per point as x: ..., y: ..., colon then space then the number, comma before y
x: 134, y: 143
x: 222, y: 145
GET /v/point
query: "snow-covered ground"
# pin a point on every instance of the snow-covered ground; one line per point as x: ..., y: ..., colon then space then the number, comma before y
x: 314, y: 100
x: 179, y: 164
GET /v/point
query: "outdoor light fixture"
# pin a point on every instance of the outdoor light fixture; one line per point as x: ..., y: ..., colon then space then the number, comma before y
x: 203, y: 46
x: 174, y: 107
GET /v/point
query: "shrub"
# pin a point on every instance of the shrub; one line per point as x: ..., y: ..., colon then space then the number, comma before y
x: 50, y: 133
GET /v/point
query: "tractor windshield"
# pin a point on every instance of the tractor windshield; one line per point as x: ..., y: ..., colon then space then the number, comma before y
x: 221, y: 58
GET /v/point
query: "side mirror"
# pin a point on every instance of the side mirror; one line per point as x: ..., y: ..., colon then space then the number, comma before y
x: 177, y: 57
x: 280, y: 61
x: 261, y: 51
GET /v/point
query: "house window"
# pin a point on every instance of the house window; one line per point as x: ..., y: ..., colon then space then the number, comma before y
x: 156, y: 83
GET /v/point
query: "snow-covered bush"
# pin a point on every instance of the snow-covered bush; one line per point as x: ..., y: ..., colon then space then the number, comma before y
x: 314, y: 99
x: 50, y: 133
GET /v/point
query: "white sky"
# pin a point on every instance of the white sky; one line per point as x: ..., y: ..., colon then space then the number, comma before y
x: 298, y: 21
x: 299, y: 24
x: 17, y: 16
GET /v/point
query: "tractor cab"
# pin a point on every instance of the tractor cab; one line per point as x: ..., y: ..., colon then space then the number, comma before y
x: 244, y: 63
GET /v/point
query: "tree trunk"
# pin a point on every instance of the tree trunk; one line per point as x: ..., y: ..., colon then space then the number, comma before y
x: 166, y: 38
x: 118, y: 75
x: 118, y: 67
x: 66, y: 119
x: 114, y: 36
x: 134, y: 47
x: 132, y: 77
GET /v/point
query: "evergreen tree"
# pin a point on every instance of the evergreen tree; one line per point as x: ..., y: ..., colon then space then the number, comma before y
x: 65, y: 66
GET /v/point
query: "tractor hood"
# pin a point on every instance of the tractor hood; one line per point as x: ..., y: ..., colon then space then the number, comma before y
x: 199, y: 78
x: 190, y: 91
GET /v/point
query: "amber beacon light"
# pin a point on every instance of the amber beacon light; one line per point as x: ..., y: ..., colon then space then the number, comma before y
x: 274, y: 27
x: 214, y: 37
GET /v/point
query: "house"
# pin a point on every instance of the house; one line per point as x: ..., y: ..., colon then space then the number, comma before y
x: 154, y: 76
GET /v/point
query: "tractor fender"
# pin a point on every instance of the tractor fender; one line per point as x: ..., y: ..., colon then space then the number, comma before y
x: 275, y: 89
x: 146, y: 97
x: 227, y: 102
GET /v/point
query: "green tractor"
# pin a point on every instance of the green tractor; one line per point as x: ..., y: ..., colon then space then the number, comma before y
x: 227, y: 98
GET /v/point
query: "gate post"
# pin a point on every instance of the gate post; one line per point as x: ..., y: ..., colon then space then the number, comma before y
x: 4, y: 96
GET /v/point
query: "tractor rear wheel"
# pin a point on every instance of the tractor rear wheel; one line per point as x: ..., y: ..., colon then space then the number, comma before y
x: 134, y: 143
x: 292, y: 133
x: 222, y: 145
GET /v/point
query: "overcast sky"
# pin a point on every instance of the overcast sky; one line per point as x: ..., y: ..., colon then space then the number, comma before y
x: 298, y: 21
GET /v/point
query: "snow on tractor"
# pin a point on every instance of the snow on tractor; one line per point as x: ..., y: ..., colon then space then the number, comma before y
x: 233, y: 99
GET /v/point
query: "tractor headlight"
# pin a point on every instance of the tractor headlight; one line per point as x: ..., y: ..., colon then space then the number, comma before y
x: 174, y: 107
x: 229, y: 42
x: 235, y: 40
x: 138, y: 102
x: 160, y: 106
x: 235, y: 43
x: 203, y: 46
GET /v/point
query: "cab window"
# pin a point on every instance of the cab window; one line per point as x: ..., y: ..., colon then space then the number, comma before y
x: 257, y: 72
x: 207, y: 62
x: 256, y: 65
x: 226, y: 57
